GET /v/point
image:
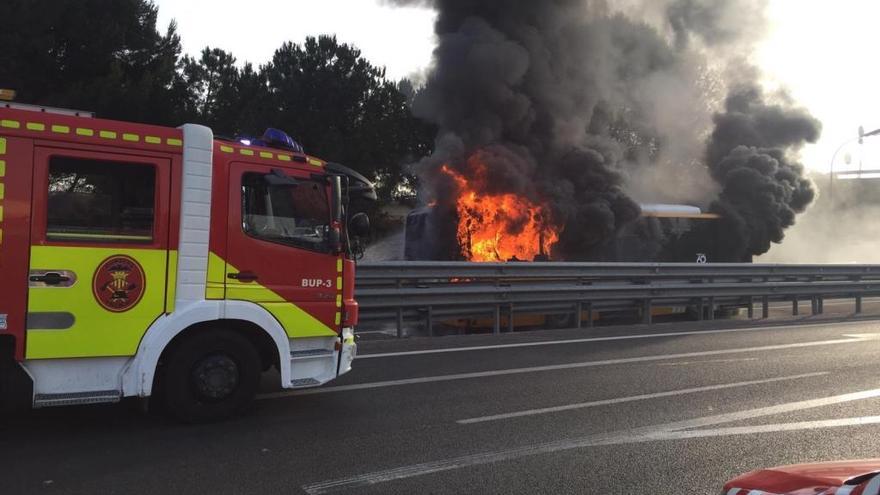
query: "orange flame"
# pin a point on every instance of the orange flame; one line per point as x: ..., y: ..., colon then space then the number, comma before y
x: 498, y: 226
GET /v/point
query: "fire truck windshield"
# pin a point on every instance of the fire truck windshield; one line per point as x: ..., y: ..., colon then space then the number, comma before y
x: 296, y: 215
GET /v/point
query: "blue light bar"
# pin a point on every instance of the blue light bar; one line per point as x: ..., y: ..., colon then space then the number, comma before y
x: 275, y: 138
x: 272, y: 138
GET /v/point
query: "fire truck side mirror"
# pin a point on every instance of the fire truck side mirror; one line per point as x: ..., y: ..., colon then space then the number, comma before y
x: 359, y: 225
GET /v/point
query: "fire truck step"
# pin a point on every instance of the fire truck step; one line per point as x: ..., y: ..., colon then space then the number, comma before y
x: 304, y: 382
x: 311, y: 353
x: 79, y: 398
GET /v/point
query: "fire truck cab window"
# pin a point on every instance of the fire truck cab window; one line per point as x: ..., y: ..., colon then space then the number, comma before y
x: 100, y: 201
x: 293, y: 214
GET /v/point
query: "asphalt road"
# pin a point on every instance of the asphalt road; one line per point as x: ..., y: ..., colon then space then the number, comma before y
x: 674, y: 408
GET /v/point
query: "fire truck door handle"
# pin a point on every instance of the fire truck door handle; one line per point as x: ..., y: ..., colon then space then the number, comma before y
x: 243, y: 276
x: 51, y: 278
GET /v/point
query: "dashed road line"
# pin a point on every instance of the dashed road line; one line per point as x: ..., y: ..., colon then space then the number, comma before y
x: 634, y: 398
x: 708, y: 361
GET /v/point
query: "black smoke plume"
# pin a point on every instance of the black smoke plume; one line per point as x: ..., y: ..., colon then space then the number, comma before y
x: 763, y: 189
x: 586, y: 106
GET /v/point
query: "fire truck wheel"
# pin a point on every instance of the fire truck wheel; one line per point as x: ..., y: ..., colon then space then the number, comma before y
x: 210, y: 376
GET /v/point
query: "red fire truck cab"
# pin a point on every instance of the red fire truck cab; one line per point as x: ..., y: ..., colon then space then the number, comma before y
x: 138, y: 260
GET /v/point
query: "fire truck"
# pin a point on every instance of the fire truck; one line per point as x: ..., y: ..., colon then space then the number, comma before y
x: 169, y: 263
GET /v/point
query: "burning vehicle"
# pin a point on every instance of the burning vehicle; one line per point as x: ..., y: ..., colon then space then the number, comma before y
x: 662, y: 233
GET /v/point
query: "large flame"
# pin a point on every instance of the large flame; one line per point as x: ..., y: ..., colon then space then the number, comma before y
x: 498, y: 226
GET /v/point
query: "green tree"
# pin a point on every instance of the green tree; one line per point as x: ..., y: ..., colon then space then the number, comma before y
x: 101, y: 55
x: 229, y: 99
x: 343, y: 109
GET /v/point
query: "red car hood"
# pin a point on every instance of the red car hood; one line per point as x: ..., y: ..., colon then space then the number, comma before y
x: 829, y: 478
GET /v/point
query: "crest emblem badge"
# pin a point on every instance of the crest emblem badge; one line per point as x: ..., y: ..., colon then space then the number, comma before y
x: 119, y: 283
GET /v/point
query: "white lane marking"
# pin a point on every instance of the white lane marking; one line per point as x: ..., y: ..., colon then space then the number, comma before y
x: 633, y: 398
x: 768, y: 428
x: 554, y: 367
x: 602, y: 339
x: 708, y: 361
x: 788, y: 407
x: 667, y: 431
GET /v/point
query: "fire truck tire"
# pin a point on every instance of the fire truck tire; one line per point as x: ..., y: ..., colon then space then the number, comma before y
x: 210, y: 376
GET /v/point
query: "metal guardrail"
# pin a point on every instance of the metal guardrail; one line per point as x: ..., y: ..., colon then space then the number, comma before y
x: 425, y: 292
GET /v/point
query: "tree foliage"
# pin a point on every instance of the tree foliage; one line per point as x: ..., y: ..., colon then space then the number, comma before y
x: 343, y: 108
x: 101, y: 55
x: 108, y: 56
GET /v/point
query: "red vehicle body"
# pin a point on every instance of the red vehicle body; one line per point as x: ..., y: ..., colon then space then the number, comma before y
x: 831, y: 478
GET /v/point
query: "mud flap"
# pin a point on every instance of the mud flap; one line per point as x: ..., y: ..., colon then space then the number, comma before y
x: 16, y: 387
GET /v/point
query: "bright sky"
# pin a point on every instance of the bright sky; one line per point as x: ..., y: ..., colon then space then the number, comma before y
x: 400, y: 39
x: 823, y: 51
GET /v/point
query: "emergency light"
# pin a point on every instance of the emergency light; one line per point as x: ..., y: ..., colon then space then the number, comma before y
x: 273, y: 138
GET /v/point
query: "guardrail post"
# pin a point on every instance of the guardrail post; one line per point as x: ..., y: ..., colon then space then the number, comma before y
x: 711, y: 308
x: 399, y: 314
x: 510, y: 318
x: 795, y: 306
x: 701, y: 309
x: 496, y: 328
x: 646, y: 312
x: 751, y: 308
x: 590, y: 315
x: 765, y: 307
x: 814, y: 306
x: 858, y: 304
x: 579, y: 314
x: 820, y: 304
x: 430, y: 321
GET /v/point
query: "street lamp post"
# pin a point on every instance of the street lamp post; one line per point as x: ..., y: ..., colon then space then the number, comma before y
x: 861, y: 140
